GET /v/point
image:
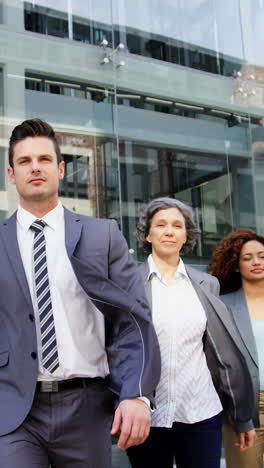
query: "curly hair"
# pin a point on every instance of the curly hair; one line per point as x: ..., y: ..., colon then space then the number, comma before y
x: 147, y: 212
x: 225, y: 259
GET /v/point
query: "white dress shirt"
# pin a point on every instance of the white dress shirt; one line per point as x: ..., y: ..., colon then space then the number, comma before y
x: 79, y: 325
x: 185, y: 392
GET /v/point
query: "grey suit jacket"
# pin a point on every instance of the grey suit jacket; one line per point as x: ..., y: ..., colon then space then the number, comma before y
x: 224, y: 350
x: 108, y: 274
x: 237, y: 306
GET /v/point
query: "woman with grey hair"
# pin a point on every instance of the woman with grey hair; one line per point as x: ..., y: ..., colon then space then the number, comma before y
x: 203, y: 365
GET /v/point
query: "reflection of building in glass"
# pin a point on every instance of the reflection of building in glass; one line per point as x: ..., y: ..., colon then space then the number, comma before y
x: 180, y: 118
x: 250, y: 86
x: 57, y: 23
x: 183, y: 117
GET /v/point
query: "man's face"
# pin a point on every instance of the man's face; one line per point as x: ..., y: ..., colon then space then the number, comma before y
x: 35, y: 171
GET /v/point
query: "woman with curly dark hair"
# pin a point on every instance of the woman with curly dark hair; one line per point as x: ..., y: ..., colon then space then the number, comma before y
x: 238, y: 263
x: 201, y: 351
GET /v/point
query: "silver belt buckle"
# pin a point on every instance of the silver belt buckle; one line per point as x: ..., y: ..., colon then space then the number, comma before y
x: 49, y: 386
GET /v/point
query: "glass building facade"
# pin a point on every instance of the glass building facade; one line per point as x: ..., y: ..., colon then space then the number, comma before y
x: 148, y: 98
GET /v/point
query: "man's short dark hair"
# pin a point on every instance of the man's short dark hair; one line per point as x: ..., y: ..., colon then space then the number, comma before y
x: 32, y: 128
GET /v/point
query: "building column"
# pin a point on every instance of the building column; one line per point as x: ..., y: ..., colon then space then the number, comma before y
x: 14, y: 113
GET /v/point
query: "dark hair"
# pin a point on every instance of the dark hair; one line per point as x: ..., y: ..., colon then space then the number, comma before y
x: 32, y: 128
x: 148, y: 211
x: 225, y: 259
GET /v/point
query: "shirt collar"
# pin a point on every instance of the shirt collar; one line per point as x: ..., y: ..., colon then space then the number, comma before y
x: 153, y: 270
x: 53, y: 218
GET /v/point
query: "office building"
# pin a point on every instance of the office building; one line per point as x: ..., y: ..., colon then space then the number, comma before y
x: 148, y: 98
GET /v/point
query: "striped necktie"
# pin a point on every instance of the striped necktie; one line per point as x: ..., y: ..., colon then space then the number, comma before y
x: 50, y: 359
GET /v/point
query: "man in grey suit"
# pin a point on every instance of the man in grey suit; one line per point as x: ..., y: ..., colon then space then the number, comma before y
x: 75, y: 324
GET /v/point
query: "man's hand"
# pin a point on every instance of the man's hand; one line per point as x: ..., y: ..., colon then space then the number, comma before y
x: 245, y: 440
x: 131, y: 422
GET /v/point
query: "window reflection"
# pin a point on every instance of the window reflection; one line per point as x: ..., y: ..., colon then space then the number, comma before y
x: 52, y: 85
x: 204, y: 181
x: 76, y: 179
x: 58, y: 23
x: 157, y: 46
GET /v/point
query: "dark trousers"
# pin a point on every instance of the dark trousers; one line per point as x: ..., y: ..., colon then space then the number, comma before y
x: 190, y: 445
x: 68, y: 429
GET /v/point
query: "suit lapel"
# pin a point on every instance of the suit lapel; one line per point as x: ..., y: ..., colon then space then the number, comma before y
x: 73, y: 229
x: 209, y: 301
x: 144, y: 270
x: 9, y: 232
x: 194, y: 274
x: 243, y: 322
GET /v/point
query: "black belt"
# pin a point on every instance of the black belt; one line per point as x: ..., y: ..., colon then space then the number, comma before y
x: 59, y: 385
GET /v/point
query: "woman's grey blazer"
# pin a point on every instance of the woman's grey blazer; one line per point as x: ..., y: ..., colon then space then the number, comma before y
x: 237, y: 306
x: 224, y: 350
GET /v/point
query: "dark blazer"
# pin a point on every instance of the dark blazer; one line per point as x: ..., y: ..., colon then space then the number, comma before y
x: 108, y: 274
x: 237, y: 306
x: 224, y: 350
